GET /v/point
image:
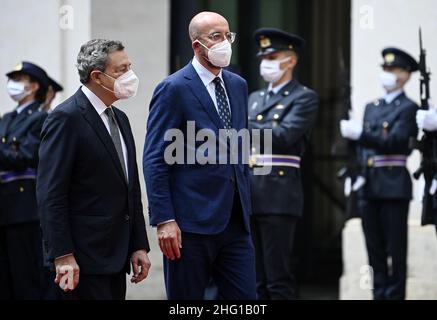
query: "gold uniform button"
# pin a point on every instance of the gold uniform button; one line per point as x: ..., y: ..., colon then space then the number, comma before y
x: 21, y: 189
x: 14, y: 139
x: 4, y: 140
x: 259, y: 117
x: 276, y: 116
x: 370, y: 162
x: 281, y: 173
x: 385, y: 124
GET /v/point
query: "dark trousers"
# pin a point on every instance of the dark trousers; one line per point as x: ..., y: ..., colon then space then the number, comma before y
x: 20, y: 262
x: 385, y: 225
x: 99, y: 287
x: 228, y: 258
x: 273, y: 237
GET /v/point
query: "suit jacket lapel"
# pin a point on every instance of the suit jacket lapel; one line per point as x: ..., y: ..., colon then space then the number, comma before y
x: 233, y: 101
x: 201, y: 93
x: 90, y: 115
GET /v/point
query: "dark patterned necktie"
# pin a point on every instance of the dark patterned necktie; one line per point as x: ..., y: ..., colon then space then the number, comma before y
x: 115, y: 135
x: 222, y: 103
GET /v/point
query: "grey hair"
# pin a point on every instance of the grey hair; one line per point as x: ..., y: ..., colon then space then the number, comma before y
x: 93, y: 55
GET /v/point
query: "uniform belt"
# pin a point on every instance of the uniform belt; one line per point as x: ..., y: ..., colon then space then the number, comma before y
x: 257, y: 160
x: 387, y: 161
x: 8, y: 176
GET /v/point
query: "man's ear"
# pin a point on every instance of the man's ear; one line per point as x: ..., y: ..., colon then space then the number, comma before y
x: 196, y: 47
x: 95, y: 76
x: 294, y: 60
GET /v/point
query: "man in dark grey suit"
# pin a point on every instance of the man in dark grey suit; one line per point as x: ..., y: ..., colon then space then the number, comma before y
x: 289, y: 110
x: 88, y: 189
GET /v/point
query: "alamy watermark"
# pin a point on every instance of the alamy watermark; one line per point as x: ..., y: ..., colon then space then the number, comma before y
x: 204, y: 146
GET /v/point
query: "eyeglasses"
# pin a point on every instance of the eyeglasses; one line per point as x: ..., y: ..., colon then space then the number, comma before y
x: 217, y: 36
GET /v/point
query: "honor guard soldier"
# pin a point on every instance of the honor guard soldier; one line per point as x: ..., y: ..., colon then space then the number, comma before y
x: 20, y: 237
x: 427, y: 121
x: 288, y: 109
x: 383, y: 148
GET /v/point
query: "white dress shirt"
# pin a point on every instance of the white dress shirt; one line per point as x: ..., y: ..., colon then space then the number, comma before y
x: 207, y: 78
x: 100, y: 108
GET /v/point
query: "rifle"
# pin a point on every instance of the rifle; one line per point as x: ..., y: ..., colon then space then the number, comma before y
x: 351, y: 168
x: 427, y: 145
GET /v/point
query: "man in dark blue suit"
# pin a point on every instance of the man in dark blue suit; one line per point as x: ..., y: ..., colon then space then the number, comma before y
x: 201, y: 211
x: 88, y: 188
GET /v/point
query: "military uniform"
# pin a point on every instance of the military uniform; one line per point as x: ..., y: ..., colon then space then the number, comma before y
x: 383, y: 148
x: 20, y: 237
x: 277, y: 198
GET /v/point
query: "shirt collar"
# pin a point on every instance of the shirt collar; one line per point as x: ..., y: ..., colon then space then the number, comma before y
x: 19, y: 109
x: 96, y: 102
x: 277, y: 88
x: 205, y: 75
x: 389, y: 97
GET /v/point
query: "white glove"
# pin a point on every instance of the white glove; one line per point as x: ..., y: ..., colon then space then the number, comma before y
x: 350, y: 129
x: 347, y: 186
x: 427, y: 119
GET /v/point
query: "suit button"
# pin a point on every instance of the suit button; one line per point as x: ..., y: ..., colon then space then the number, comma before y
x: 259, y: 117
x: 126, y: 217
x: 21, y: 189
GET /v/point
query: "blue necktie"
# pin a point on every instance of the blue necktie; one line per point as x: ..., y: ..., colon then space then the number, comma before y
x: 222, y: 103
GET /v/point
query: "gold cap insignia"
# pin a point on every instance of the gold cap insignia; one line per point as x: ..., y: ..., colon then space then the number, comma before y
x: 265, y: 42
x: 18, y: 67
x: 389, y: 57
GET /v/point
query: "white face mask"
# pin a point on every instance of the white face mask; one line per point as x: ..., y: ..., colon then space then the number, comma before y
x: 271, y: 70
x: 388, y: 80
x: 125, y: 86
x: 17, y: 90
x: 219, y: 54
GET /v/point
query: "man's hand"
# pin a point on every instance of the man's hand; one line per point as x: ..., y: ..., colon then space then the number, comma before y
x: 140, y: 265
x: 350, y: 129
x: 170, y: 240
x: 63, y: 265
